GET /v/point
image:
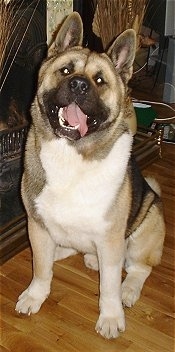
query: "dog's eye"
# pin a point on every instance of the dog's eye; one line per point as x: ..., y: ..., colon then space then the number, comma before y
x: 99, y: 81
x: 65, y: 71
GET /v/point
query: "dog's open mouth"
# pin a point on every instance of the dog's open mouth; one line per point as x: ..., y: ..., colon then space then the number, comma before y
x: 71, y: 122
x: 71, y: 118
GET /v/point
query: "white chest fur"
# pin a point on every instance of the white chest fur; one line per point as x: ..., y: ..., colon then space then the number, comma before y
x: 78, y: 193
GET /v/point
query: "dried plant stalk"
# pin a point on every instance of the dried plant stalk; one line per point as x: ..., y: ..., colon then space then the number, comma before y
x: 6, y: 24
x: 114, y: 16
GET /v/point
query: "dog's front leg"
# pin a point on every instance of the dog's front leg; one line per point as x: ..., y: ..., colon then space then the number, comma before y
x: 43, y: 249
x: 111, y: 320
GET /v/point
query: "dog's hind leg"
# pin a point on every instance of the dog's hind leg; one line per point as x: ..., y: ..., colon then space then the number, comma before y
x: 43, y: 249
x: 132, y: 285
x: 91, y: 261
x: 144, y: 250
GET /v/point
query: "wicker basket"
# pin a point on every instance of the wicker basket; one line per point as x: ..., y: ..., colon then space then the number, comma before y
x: 11, y: 152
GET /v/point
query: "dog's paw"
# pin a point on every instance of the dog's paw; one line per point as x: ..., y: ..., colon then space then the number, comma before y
x: 32, y: 298
x: 28, y: 304
x: 91, y: 261
x: 129, y: 295
x: 110, y: 327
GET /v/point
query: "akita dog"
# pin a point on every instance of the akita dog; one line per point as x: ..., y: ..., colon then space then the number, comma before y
x: 81, y: 186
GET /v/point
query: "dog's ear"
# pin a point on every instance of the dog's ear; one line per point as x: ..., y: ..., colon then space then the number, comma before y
x: 122, y: 53
x: 68, y: 35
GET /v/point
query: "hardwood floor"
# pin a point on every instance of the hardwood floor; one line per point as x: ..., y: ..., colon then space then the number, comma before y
x: 67, y: 319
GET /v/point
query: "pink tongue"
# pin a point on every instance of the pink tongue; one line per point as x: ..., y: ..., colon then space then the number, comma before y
x: 74, y: 116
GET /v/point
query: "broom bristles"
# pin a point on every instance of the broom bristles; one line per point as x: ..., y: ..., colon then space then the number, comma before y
x: 6, y: 23
x: 114, y: 16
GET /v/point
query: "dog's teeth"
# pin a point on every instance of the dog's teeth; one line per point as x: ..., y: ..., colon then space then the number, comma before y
x: 60, y: 112
x: 76, y: 127
x: 72, y: 127
x: 62, y: 121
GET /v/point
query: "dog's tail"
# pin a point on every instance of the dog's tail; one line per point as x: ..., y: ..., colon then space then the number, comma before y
x: 154, y: 185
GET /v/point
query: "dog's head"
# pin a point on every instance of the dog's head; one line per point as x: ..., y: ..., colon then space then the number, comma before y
x: 81, y: 92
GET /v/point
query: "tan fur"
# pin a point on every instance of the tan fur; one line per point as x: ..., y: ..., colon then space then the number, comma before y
x: 82, y: 190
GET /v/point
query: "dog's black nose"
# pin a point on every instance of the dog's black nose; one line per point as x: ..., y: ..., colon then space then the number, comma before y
x: 79, y: 85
